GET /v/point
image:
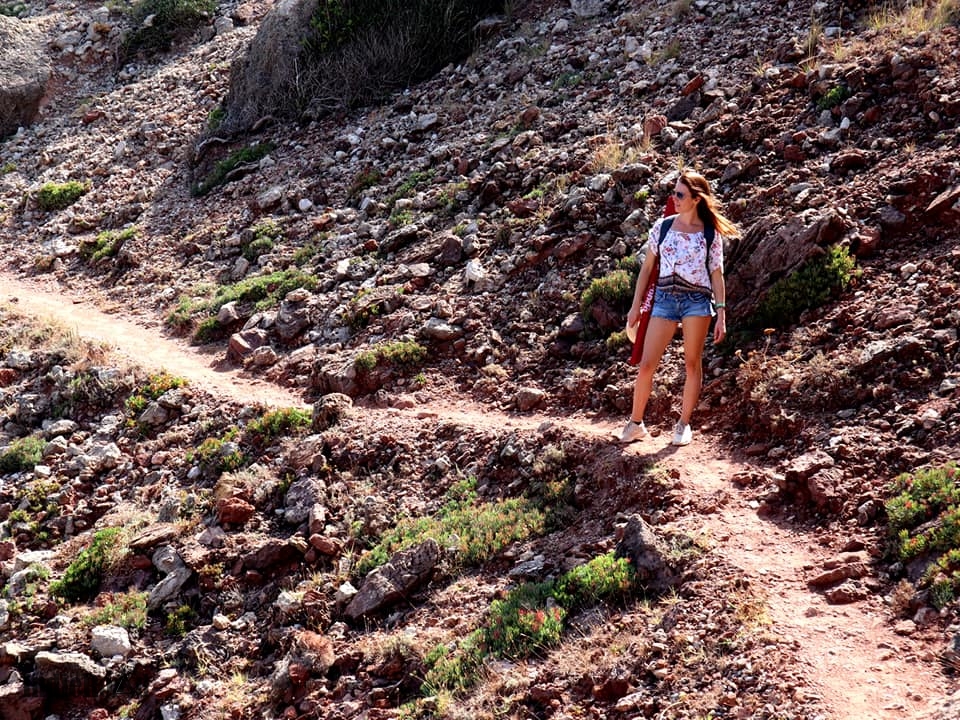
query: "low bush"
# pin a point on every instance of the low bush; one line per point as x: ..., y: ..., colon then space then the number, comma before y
x: 57, y: 196
x: 809, y: 287
x: 22, y: 454
x: 924, y: 523
x: 168, y: 20
x: 127, y: 610
x: 615, y: 288
x: 528, y: 619
x: 274, y: 423
x: 263, y: 236
x: 82, y: 579
x: 360, y: 52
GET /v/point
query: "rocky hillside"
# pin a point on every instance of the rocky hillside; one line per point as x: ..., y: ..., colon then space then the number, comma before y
x: 415, y: 272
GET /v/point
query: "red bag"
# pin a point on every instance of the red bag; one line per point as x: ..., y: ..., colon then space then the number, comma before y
x: 646, y: 306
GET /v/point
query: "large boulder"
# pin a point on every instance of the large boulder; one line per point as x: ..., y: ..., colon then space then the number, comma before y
x: 24, y: 73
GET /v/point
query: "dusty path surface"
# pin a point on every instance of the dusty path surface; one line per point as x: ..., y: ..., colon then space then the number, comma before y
x: 862, y: 668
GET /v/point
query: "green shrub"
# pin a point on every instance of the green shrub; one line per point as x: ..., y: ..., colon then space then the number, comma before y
x: 15, y: 9
x: 615, y: 288
x: 81, y: 581
x: 57, y: 196
x: 107, y: 244
x: 265, y: 291
x: 222, y: 171
x: 809, y: 287
x: 218, y: 454
x: 179, y: 621
x: 170, y: 19
x: 833, y: 97
x: 156, y: 386
x: 406, y: 353
x: 22, y: 454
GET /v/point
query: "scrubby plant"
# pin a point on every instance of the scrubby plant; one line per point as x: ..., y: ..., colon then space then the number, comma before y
x: 363, y: 180
x: 229, y: 168
x: 106, y: 245
x: 615, y: 288
x: 168, y: 20
x: 807, y: 288
x: 179, y: 621
x: 923, y: 516
x: 833, y: 97
x: 282, y: 421
x: 528, y: 619
x: 156, y: 385
x: 264, y: 291
x: 22, y: 454
x: 474, y: 531
x: 264, y: 236
x: 82, y: 579
x: 57, y: 196
x: 218, y: 454
x: 407, y: 353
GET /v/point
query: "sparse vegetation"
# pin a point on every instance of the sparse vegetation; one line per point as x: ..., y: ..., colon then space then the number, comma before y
x: 126, y: 609
x: 275, y: 423
x: 155, y: 386
x: 233, y: 167
x: 106, y: 245
x: 261, y: 239
x: 615, y: 288
x: 22, y: 454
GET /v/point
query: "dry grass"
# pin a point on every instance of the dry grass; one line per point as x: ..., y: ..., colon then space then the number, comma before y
x: 915, y: 18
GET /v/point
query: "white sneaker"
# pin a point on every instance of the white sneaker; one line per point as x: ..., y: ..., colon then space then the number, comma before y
x: 682, y: 434
x: 632, y: 431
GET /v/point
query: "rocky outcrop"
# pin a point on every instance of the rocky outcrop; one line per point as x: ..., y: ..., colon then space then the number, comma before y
x: 24, y: 73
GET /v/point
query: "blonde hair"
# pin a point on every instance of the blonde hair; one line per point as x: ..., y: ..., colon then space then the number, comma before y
x: 707, y: 210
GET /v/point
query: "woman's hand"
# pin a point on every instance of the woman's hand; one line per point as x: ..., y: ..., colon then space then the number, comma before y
x: 720, y: 326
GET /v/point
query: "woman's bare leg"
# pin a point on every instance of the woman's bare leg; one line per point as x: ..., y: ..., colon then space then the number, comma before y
x: 659, y: 334
x: 694, y: 336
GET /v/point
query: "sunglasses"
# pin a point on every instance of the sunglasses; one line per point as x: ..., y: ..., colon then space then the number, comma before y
x: 680, y: 195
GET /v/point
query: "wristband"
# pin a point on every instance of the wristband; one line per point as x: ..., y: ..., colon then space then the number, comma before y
x: 720, y: 305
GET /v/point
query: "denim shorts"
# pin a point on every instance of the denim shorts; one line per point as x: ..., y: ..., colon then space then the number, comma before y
x: 676, y: 306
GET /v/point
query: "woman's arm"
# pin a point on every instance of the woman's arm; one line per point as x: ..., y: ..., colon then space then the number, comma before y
x: 649, y: 260
x: 720, y: 298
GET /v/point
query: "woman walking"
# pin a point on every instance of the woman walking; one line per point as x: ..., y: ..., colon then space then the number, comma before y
x: 690, y: 291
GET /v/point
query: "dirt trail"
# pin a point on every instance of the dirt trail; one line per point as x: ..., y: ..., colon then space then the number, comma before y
x: 863, y: 670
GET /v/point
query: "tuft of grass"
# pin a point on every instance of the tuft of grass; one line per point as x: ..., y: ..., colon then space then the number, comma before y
x: 529, y: 618
x: 82, y: 579
x: 809, y: 287
x: 833, y: 97
x: 400, y: 353
x: 264, y: 235
x: 155, y: 386
x: 218, y: 455
x: 615, y: 288
x: 57, y: 196
x: 914, y: 18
